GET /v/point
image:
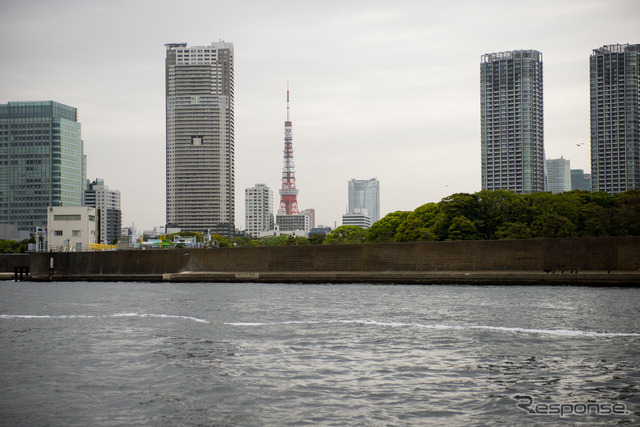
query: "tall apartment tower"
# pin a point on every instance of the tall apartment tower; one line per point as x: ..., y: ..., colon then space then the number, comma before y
x: 107, y: 204
x: 200, y: 138
x: 614, y: 75
x: 42, y: 162
x: 365, y: 194
x: 258, y: 213
x: 512, y: 142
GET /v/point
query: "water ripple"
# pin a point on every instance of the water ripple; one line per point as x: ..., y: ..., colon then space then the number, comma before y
x: 561, y: 332
x: 113, y: 315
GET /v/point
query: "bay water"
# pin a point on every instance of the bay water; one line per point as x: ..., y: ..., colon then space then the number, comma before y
x: 245, y: 354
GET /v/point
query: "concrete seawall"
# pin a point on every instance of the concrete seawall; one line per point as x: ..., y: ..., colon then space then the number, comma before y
x: 588, y: 261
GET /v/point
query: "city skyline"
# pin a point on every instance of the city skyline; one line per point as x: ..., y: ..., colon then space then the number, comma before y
x: 390, y: 91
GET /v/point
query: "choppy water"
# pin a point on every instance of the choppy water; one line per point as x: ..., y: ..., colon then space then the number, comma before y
x: 108, y: 354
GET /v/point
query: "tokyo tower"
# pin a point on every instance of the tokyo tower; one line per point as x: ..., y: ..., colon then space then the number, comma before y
x: 288, y: 192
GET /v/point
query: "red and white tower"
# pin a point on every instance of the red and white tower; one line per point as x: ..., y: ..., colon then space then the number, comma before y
x: 288, y: 192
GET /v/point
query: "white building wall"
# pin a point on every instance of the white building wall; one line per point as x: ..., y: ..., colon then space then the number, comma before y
x: 71, y: 228
x: 258, y: 214
x: 558, y: 175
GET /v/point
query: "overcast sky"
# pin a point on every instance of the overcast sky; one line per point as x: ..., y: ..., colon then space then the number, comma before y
x: 380, y: 89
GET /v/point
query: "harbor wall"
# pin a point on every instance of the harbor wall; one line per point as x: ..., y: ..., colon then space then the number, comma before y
x: 586, y: 260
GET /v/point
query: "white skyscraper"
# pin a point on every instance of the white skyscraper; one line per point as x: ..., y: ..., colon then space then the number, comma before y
x: 558, y: 175
x: 200, y: 138
x: 258, y: 215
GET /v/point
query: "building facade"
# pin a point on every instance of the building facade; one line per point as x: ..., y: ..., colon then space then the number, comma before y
x: 360, y: 218
x: 580, y: 180
x: 614, y: 75
x: 299, y: 223
x: 42, y: 162
x: 200, y: 151
x: 71, y: 229
x: 365, y: 194
x: 511, y: 109
x: 558, y: 175
x: 258, y: 211
x: 107, y: 203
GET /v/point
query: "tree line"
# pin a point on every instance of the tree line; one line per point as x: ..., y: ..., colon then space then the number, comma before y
x: 501, y: 214
x: 485, y: 215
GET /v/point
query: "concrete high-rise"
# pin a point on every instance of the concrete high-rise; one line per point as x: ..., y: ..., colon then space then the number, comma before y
x: 258, y: 213
x: 365, y: 194
x: 107, y: 204
x: 42, y: 162
x: 200, y: 138
x: 614, y: 75
x: 511, y: 110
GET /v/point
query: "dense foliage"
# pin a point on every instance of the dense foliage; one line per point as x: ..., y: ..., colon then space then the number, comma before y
x: 13, y: 247
x: 501, y: 214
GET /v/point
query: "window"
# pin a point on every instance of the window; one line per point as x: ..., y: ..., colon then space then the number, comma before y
x: 75, y: 233
x: 67, y: 217
x: 57, y: 232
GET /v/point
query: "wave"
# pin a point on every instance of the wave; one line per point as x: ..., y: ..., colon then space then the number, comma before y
x: 560, y: 332
x: 113, y: 315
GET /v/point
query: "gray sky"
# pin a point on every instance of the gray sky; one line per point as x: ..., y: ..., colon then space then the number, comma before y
x: 378, y: 88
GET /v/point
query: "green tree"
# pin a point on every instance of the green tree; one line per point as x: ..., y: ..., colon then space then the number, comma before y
x: 11, y: 247
x: 346, y: 234
x: 462, y: 228
x: 317, y: 238
x: 552, y: 225
x: 219, y: 241
x: 280, y: 240
x: 419, y: 225
x: 386, y: 228
x: 513, y: 230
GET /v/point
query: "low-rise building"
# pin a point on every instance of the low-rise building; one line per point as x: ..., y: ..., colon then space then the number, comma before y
x: 71, y: 228
x: 360, y: 218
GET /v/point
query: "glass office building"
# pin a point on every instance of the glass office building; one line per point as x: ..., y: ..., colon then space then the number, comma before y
x: 614, y: 75
x: 41, y: 161
x: 511, y: 109
x: 365, y: 194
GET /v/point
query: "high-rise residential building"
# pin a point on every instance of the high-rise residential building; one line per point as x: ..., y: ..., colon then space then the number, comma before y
x: 107, y: 204
x: 365, y: 194
x: 580, y: 180
x: 558, y: 175
x: 511, y: 110
x: 200, y: 138
x: 258, y: 213
x: 614, y: 75
x: 41, y: 161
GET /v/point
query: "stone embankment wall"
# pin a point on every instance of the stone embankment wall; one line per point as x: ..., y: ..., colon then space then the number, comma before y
x: 614, y: 260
